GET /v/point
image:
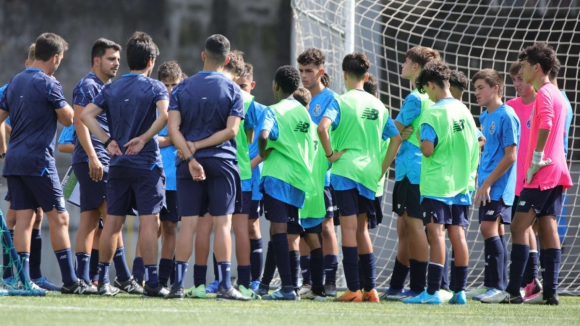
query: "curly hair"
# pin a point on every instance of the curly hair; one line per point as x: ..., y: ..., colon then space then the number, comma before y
x: 540, y: 53
x: 236, y: 64
x: 312, y: 55
x: 421, y: 55
x: 169, y: 70
x: 437, y: 72
x: 287, y: 78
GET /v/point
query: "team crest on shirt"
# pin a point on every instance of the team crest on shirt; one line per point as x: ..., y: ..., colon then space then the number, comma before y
x: 317, y: 110
x: 492, y: 128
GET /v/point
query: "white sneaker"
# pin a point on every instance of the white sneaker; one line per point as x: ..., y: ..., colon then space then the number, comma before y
x: 476, y: 292
x: 304, y: 289
x: 502, y: 297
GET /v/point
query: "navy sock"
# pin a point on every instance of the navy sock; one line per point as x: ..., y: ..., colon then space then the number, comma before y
x: 104, y: 272
x: 121, y: 267
x: 399, y: 276
x: 151, y: 276
x: 269, y: 265
x: 280, y: 246
x: 172, y: 274
x: 418, y: 271
x: 542, y: 263
x: 94, y: 266
x: 506, y: 261
x: 494, y: 260
x: 24, y: 258
x: 165, y: 269
x: 305, y: 269
x: 35, y: 254
x: 531, y: 270
x: 486, y: 274
x: 330, y: 268
x: 445, y: 276
x: 460, y: 278
x: 256, y: 258
x: 244, y: 275
x: 361, y: 274
x: 552, y: 266
x: 199, y: 274
x: 224, y: 272
x: 216, y: 272
x: 350, y: 266
x: 6, y: 259
x: 452, y: 270
x: 65, y: 261
x: 294, y: 257
x: 82, y: 270
x: 519, y: 255
x: 317, y: 270
x: 138, y: 270
x: 369, y: 269
x: 180, y: 271
x: 434, y: 277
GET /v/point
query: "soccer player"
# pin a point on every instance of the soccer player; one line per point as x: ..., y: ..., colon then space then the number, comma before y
x: 448, y: 167
x: 314, y: 78
x: 136, y: 110
x: 35, y: 102
x: 458, y: 83
x: 205, y: 112
x: 496, y: 174
x: 547, y: 176
x: 412, y: 251
x: 360, y: 123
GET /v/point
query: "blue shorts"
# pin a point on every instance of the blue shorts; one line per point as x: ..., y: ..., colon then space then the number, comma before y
x: 256, y: 208
x: 350, y: 202
x: 496, y: 208
x: 544, y: 202
x: 246, y: 205
x: 407, y: 197
x: 169, y: 212
x: 139, y: 189
x: 93, y: 194
x: 217, y: 194
x: 31, y: 192
x: 328, y: 203
x: 443, y: 213
x: 277, y: 211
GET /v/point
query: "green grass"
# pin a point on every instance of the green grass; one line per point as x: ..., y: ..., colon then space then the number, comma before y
x: 56, y: 309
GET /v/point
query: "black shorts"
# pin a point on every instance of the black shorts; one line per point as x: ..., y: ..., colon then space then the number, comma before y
x: 139, y: 189
x: 444, y: 214
x: 256, y: 208
x: 31, y: 192
x: 93, y: 193
x: 277, y: 211
x: 544, y: 202
x: 328, y: 203
x: 407, y: 197
x: 350, y: 202
x: 246, y: 206
x: 379, y: 209
x: 514, y: 206
x: 294, y: 226
x: 492, y: 210
x: 169, y: 212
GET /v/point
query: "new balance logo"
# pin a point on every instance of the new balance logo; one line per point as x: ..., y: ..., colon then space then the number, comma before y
x: 119, y: 254
x: 458, y: 125
x: 129, y: 288
x: 490, y: 213
x: 62, y: 257
x: 522, y: 203
x: 370, y: 114
x: 304, y: 271
x: 257, y: 251
x: 80, y: 290
x: 302, y: 127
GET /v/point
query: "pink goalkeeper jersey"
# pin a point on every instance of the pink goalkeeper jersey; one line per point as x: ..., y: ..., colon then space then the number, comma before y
x: 524, y: 111
x: 550, y: 114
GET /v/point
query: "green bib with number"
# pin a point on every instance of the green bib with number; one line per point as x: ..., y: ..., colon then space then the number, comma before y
x: 243, y: 153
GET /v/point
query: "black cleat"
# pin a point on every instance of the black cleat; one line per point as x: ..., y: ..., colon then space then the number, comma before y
x: 79, y: 287
x: 330, y: 290
x: 176, y: 293
x: 107, y: 290
x: 158, y: 292
x: 263, y: 289
x: 129, y: 286
x: 553, y: 300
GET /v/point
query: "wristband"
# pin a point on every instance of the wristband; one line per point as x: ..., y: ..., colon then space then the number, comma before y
x: 189, y: 159
x: 108, y: 142
x: 328, y: 156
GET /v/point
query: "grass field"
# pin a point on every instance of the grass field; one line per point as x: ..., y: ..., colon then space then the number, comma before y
x: 56, y: 309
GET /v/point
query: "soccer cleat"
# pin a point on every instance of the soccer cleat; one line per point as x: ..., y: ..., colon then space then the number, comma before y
x: 255, y: 285
x: 315, y: 296
x: 212, y: 287
x: 533, y: 288
x: 196, y: 292
x: 176, y: 293
x: 107, y: 290
x: 425, y: 298
x: 403, y: 295
x: 371, y: 296
x: 445, y: 295
x: 490, y: 292
x: 330, y: 290
x: 304, y: 289
x: 458, y: 298
x: 350, y: 296
x: 279, y: 295
x: 553, y: 300
x: 390, y: 292
x: 10, y: 281
x: 129, y: 286
x: 231, y: 295
x: 539, y: 298
x: 475, y: 292
x: 79, y: 287
x: 263, y: 289
x: 248, y: 292
x: 502, y: 297
x: 157, y: 292
x: 44, y: 283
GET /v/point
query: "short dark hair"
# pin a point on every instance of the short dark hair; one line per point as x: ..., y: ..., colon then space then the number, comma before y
x: 458, y: 80
x: 515, y: 68
x: 302, y: 95
x: 356, y: 64
x: 540, y: 53
x: 236, y: 64
x: 248, y: 70
x: 491, y: 77
x: 371, y: 86
x: 287, y: 78
x: 217, y: 48
x: 555, y: 70
x: 141, y: 49
x: 169, y: 70
x: 421, y: 55
x: 48, y: 45
x: 101, y: 46
x: 325, y: 80
x: 312, y: 55
x: 434, y: 71
x: 31, y: 50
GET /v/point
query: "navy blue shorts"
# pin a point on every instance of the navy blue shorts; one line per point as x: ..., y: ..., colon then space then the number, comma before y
x: 246, y: 205
x: 545, y: 202
x: 294, y: 226
x: 31, y: 192
x: 350, y: 202
x: 93, y: 194
x: 139, y: 189
x: 277, y: 211
x: 256, y: 208
x: 407, y: 197
x: 217, y: 194
x: 169, y: 212
x: 492, y: 210
x: 444, y: 214
x: 7, y: 197
x: 379, y: 209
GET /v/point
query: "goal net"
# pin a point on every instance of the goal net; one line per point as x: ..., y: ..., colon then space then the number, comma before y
x: 470, y: 35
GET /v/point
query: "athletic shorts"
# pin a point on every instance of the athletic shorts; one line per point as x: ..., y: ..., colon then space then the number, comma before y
x: 443, y: 213
x: 492, y: 210
x: 256, y: 208
x: 246, y: 205
x: 277, y: 211
x: 515, y: 205
x: 140, y: 189
x: 350, y: 202
x: 379, y: 209
x: 545, y: 202
x: 407, y: 197
x: 169, y: 212
x: 217, y: 194
x: 328, y: 203
x: 93, y: 194
x: 31, y: 192
x: 294, y: 226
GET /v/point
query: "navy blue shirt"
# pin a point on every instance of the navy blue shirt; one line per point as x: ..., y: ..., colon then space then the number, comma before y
x: 83, y: 94
x: 131, y: 107
x: 205, y: 102
x: 31, y: 99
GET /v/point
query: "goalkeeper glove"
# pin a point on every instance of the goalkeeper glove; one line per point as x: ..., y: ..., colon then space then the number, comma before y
x: 537, y: 163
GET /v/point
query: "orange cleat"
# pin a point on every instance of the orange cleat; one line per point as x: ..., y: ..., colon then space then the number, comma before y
x: 349, y: 296
x: 371, y: 296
